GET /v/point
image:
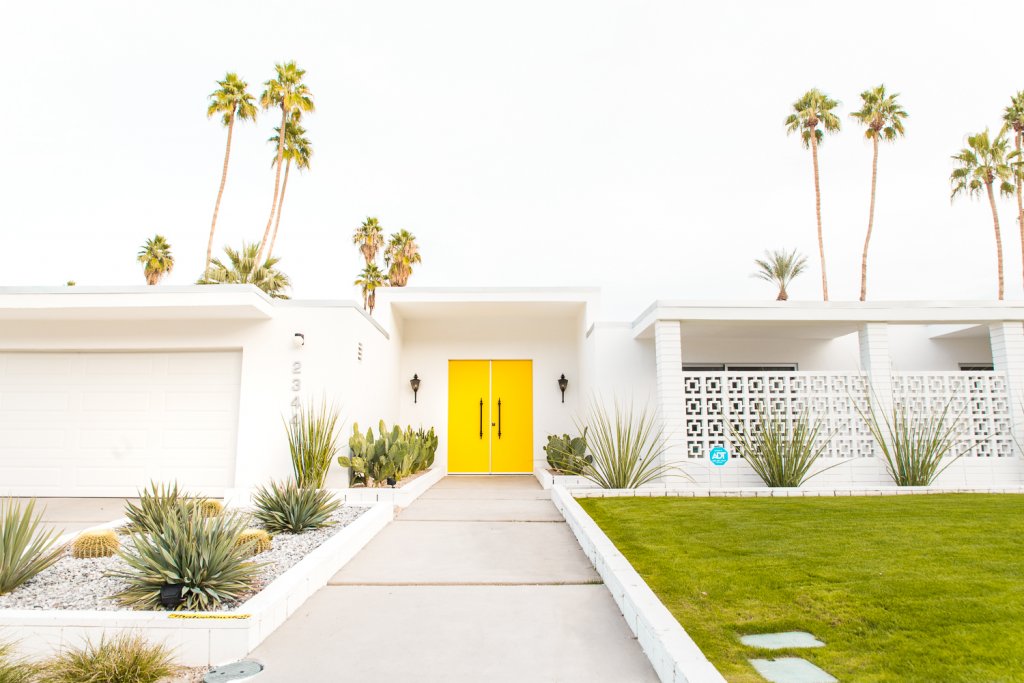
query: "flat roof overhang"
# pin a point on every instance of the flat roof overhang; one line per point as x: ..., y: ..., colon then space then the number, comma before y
x: 418, y: 304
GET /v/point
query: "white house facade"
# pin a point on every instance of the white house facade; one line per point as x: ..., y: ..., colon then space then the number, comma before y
x: 105, y: 389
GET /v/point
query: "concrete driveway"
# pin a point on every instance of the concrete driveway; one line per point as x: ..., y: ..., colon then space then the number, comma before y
x: 75, y: 514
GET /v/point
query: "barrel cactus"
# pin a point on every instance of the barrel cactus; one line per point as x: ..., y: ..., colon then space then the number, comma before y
x: 95, y: 544
x: 259, y: 540
x: 209, y: 507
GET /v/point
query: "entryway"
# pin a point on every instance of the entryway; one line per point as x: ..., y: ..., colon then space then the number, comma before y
x: 490, y: 416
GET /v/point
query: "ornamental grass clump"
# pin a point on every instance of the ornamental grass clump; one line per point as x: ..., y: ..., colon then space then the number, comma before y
x: 313, y: 442
x: 125, y: 658
x: 14, y: 669
x: 90, y: 544
x: 287, y: 508
x: 626, y: 446
x: 200, y: 554
x: 781, y: 451
x: 25, y: 548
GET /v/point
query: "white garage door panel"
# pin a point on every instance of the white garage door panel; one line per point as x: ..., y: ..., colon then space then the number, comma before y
x: 104, y: 424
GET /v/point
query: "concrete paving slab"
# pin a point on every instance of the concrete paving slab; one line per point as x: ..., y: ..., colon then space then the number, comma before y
x: 485, y: 493
x: 472, y: 481
x: 469, y: 552
x: 75, y: 514
x: 469, y: 634
x: 499, y: 510
x: 791, y: 670
x: 778, y: 641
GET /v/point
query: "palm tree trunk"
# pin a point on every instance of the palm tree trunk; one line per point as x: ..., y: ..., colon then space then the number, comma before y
x: 871, y: 222
x: 817, y: 211
x: 1020, y: 202
x: 999, y: 239
x: 220, y: 193
x: 280, y: 203
x: 277, y: 183
x: 783, y: 295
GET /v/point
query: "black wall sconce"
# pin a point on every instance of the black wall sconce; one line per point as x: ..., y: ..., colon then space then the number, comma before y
x: 563, y: 383
x: 415, y: 384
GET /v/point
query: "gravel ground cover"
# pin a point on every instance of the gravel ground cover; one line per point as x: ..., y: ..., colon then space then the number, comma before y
x: 82, y: 584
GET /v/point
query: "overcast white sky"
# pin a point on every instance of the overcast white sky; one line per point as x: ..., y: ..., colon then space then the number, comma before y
x: 637, y: 146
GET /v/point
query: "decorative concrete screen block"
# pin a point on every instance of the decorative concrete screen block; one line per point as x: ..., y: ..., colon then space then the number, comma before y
x: 978, y: 400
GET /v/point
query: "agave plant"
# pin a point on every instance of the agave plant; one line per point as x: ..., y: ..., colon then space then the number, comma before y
x: 779, y: 450
x: 25, y: 548
x: 313, y: 442
x: 288, y: 508
x: 193, y: 551
x: 157, y: 503
x: 125, y: 658
x: 626, y: 447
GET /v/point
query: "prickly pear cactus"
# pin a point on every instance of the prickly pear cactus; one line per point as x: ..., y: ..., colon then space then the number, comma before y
x: 95, y: 544
x: 258, y: 540
x: 567, y: 454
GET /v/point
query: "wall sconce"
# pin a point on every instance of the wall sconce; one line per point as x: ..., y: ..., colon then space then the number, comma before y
x: 415, y: 384
x: 299, y: 340
x: 563, y: 383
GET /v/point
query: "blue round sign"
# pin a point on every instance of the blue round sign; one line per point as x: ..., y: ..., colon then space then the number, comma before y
x: 718, y: 456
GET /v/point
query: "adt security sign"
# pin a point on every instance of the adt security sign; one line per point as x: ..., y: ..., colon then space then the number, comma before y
x: 718, y: 456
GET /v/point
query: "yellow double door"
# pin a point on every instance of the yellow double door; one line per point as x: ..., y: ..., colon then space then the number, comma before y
x: 490, y: 416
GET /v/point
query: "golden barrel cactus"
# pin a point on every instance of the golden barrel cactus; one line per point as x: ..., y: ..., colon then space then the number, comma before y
x: 210, y: 508
x: 258, y: 540
x: 95, y: 544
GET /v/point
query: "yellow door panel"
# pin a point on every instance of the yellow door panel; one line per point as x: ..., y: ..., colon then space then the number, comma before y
x: 468, y: 419
x: 512, y: 416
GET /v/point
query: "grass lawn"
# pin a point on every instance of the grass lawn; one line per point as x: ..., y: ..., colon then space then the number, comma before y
x: 909, y: 588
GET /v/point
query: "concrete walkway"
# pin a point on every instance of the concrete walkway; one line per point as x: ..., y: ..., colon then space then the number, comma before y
x: 75, y: 514
x: 478, y: 580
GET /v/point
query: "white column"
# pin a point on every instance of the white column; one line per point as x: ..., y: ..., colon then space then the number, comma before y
x: 1007, y: 340
x: 668, y: 354
x: 876, y: 364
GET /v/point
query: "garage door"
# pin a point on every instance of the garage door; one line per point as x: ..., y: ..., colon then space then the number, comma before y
x: 105, y: 424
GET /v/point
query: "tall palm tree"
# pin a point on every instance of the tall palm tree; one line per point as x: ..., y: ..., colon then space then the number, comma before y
x: 1013, y: 119
x: 288, y: 92
x: 297, y: 148
x: 979, y: 166
x: 156, y: 259
x: 241, y: 270
x: 232, y: 101
x: 882, y: 115
x: 780, y: 268
x: 370, y: 238
x: 369, y: 280
x: 399, y: 256
x: 813, y: 109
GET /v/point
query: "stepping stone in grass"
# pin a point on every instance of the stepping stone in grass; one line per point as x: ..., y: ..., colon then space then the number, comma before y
x: 791, y: 670
x: 778, y: 641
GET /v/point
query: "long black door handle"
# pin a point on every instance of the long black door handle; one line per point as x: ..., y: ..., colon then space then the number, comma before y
x: 499, y: 418
x: 481, y: 418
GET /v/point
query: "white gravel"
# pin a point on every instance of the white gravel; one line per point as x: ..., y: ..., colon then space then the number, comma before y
x: 82, y: 584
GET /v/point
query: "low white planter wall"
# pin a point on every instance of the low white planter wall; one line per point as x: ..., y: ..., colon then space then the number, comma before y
x: 401, y: 496
x: 674, y: 655
x: 548, y: 479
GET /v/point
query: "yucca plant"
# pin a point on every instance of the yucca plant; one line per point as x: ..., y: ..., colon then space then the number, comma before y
x: 25, y: 548
x: 157, y: 502
x: 626, y: 446
x: 287, y: 508
x: 915, y: 446
x: 124, y: 658
x: 779, y: 450
x: 191, y: 550
x: 313, y: 442
x: 14, y: 669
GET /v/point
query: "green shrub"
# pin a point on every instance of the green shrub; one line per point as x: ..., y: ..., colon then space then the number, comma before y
x: 626, y: 446
x: 287, y: 508
x: 313, y: 443
x: 781, y: 451
x: 125, y: 658
x: 395, y: 453
x: 25, y: 548
x: 14, y: 669
x: 567, y: 454
x: 157, y: 502
x: 191, y: 550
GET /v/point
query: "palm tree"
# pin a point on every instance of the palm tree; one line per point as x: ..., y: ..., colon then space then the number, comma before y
x: 883, y: 116
x: 812, y: 109
x: 288, y: 92
x: 401, y: 253
x: 297, y: 148
x: 979, y: 165
x: 233, y: 101
x: 369, y: 280
x: 241, y: 270
x: 1013, y: 119
x: 780, y: 268
x: 370, y: 238
x: 156, y: 259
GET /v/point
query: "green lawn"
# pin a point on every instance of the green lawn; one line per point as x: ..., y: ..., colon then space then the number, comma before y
x: 909, y: 588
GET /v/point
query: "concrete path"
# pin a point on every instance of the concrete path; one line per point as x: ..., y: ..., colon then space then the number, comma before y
x: 74, y: 514
x: 478, y: 580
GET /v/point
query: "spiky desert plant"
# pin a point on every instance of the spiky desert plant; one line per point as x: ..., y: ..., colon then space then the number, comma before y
x: 89, y: 544
x: 210, y: 507
x: 25, y: 548
x: 780, y: 267
x: 285, y: 507
x: 256, y: 540
x: 124, y: 658
x: 313, y: 442
x: 626, y: 446
x: 156, y: 503
x: 781, y: 451
x: 196, y: 552
x: 15, y: 669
